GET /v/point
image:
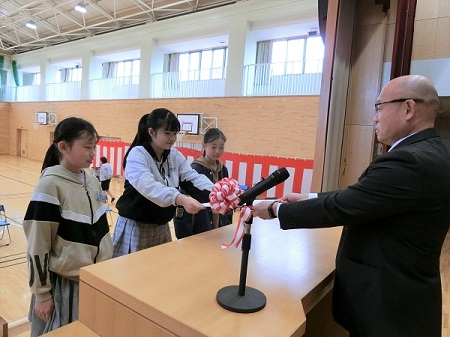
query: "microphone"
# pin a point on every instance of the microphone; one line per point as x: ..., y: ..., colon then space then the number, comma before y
x: 275, y: 178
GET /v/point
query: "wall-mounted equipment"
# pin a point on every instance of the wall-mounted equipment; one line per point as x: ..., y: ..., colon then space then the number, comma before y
x: 189, y: 123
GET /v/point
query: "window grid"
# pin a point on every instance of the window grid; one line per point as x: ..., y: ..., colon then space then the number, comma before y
x: 203, y: 65
x: 297, y: 56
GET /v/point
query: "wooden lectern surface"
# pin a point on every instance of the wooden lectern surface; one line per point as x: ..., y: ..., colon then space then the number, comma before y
x: 171, y: 289
x: 74, y: 329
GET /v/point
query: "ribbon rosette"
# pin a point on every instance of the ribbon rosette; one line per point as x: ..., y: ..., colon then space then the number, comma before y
x: 224, y: 197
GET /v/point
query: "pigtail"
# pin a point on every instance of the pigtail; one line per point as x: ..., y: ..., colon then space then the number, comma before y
x: 52, y: 157
x: 141, y: 136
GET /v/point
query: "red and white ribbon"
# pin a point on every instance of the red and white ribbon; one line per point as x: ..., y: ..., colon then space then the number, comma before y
x: 246, y: 214
x: 224, y: 197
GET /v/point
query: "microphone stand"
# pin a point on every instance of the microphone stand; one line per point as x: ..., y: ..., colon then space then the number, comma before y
x: 241, y: 298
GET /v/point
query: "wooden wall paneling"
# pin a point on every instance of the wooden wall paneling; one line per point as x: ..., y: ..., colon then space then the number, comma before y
x: 326, y: 171
x: 442, y: 49
x: 338, y: 100
x: 367, y: 61
x: 424, y: 44
x: 253, y: 125
x: 427, y: 9
x: 444, y: 8
x: 390, y: 32
x: 4, y: 127
x: 365, y: 83
x: 370, y: 13
x: 325, y: 92
x: 356, y: 153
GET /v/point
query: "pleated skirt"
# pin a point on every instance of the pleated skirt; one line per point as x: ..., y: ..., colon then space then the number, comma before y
x: 131, y: 236
x: 65, y: 300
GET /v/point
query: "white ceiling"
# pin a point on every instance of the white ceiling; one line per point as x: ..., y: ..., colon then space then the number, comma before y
x: 267, y: 19
x: 58, y: 22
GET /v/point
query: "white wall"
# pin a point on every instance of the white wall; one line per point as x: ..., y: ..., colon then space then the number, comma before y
x: 437, y: 70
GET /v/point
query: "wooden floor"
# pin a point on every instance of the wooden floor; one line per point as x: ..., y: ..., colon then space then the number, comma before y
x: 18, y: 177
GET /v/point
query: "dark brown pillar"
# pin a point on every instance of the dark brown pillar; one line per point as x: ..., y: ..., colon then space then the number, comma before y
x: 403, y: 38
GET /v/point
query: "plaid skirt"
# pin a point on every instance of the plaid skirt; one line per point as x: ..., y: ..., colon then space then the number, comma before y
x: 131, y: 236
x: 65, y: 300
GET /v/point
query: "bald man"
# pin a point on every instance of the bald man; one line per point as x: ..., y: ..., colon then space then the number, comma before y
x: 395, y: 219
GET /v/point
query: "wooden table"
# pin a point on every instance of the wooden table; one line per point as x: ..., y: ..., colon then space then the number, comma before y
x: 75, y: 329
x: 170, y: 290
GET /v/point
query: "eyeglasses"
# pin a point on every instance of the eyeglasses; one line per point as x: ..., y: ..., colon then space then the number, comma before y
x: 399, y: 100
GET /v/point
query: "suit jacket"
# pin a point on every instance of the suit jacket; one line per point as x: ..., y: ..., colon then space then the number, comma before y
x: 395, y: 219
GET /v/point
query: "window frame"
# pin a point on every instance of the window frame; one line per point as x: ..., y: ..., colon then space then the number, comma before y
x: 195, y: 70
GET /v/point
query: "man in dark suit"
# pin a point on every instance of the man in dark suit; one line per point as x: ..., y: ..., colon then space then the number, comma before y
x: 395, y: 219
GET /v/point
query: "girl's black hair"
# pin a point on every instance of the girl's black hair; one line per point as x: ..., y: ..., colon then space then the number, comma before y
x: 67, y: 130
x: 103, y: 159
x: 160, y: 118
x: 213, y: 134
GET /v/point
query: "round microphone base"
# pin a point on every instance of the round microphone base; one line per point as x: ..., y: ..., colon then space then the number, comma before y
x: 252, y: 301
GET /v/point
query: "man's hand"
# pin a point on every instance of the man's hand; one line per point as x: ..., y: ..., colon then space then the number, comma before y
x: 260, y: 209
x: 293, y: 197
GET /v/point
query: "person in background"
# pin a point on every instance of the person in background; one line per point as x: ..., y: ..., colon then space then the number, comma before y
x: 105, y: 177
x: 209, y: 164
x: 65, y: 226
x: 154, y: 172
x: 395, y: 219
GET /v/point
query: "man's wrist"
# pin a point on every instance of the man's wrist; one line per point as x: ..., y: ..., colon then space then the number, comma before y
x: 272, y: 214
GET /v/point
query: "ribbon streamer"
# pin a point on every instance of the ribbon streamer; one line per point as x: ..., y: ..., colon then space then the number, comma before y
x: 246, y: 214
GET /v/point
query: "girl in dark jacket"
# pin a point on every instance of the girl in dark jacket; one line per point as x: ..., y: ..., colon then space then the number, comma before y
x: 210, y: 165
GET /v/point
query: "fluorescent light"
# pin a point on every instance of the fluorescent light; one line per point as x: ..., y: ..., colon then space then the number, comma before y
x: 80, y: 7
x: 31, y: 24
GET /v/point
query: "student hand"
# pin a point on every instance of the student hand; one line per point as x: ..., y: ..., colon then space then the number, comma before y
x: 44, y: 309
x: 191, y: 205
x: 293, y: 197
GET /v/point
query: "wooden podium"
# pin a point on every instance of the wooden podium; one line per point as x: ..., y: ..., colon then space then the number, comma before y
x: 170, y: 290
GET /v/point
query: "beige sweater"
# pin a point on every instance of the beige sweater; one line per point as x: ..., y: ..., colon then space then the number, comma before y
x: 66, y: 228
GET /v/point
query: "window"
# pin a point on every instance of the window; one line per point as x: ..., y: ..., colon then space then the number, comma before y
x: 314, y: 55
x: 203, y: 65
x: 121, y: 69
x: 297, y: 56
x: 31, y: 78
x: 3, y: 75
x: 129, y: 68
x: 69, y: 74
x: 36, y: 79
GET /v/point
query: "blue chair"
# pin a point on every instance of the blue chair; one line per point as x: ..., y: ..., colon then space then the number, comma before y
x: 4, y: 224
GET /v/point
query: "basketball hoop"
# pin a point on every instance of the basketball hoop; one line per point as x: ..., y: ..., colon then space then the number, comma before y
x: 36, y: 125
